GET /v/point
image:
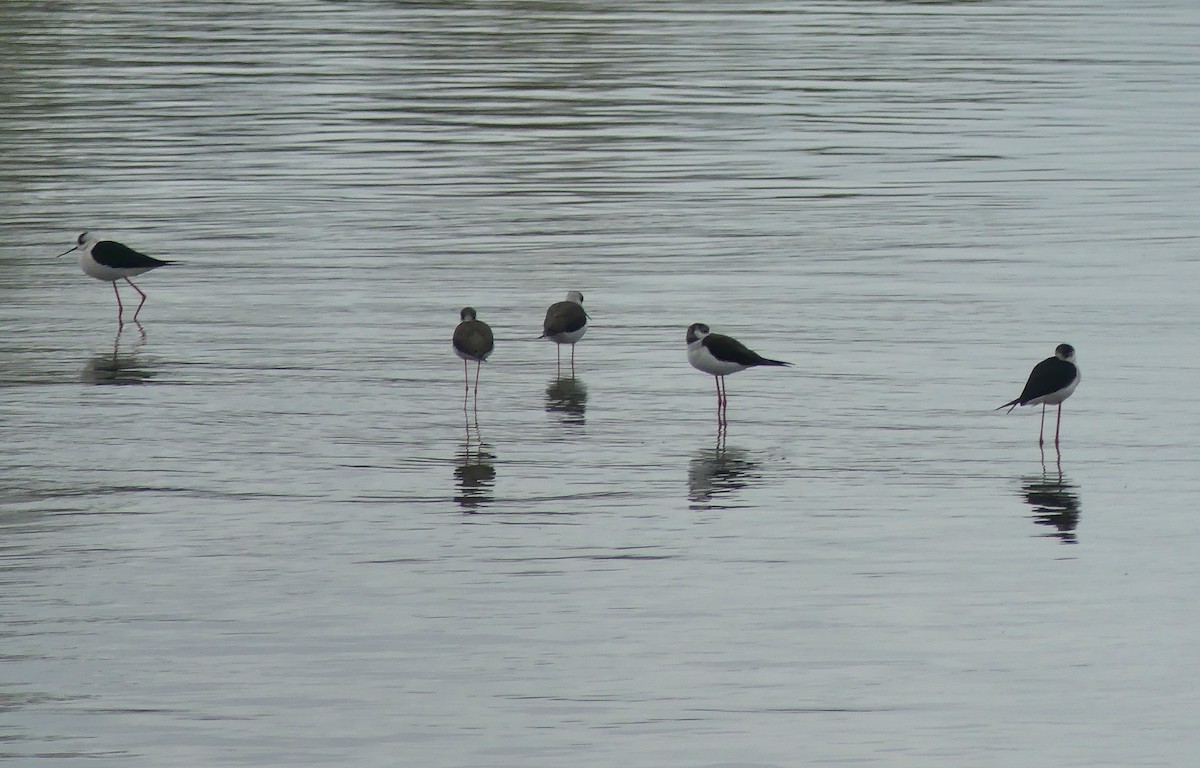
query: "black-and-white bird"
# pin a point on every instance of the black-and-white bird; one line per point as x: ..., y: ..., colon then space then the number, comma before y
x: 473, y: 340
x: 1051, y: 381
x: 110, y: 261
x: 565, y: 323
x: 719, y: 356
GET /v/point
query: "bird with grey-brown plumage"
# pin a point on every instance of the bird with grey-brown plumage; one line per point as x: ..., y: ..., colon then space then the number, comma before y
x: 565, y: 323
x: 473, y: 340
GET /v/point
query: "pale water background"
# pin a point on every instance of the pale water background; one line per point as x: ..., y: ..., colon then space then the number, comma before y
x: 286, y: 542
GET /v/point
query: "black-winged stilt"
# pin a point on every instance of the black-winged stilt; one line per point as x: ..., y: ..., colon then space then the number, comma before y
x: 1051, y: 381
x: 719, y: 356
x: 473, y: 340
x: 110, y: 261
x: 565, y: 323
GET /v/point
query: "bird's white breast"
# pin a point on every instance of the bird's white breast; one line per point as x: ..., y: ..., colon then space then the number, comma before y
x: 1056, y: 398
x: 703, y: 360
x: 93, y: 268
x: 568, y: 337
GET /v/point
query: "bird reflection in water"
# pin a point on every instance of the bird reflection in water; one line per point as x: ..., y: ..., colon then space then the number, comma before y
x: 718, y: 471
x: 474, y: 466
x: 568, y: 399
x: 1055, y: 501
x: 121, y: 365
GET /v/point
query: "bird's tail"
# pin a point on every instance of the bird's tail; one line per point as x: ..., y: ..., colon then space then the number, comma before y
x: 765, y: 361
x: 1011, y: 404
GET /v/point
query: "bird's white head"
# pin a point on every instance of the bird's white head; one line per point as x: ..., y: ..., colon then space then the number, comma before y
x: 697, y: 331
x: 85, y: 239
x: 1065, y: 352
x: 467, y: 313
x: 575, y: 296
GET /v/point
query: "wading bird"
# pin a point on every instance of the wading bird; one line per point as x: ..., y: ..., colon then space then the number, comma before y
x: 719, y: 356
x: 1051, y: 381
x: 565, y: 323
x: 110, y: 261
x: 473, y: 340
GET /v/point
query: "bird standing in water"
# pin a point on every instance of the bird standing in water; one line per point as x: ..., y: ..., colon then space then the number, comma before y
x: 719, y: 356
x: 1051, y: 381
x: 110, y: 261
x: 473, y: 340
x: 565, y: 323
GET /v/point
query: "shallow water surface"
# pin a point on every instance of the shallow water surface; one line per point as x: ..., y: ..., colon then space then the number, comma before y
x: 264, y: 526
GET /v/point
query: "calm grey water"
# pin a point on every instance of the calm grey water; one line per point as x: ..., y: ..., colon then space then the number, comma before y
x: 286, y: 540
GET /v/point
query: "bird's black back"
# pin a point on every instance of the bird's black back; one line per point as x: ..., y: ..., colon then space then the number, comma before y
x: 474, y: 339
x: 112, y: 254
x: 564, y: 317
x: 731, y: 350
x: 1048, y: 376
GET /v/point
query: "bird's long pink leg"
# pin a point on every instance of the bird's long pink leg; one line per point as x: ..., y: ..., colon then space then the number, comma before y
x: 477, y: 393
x: 1042, y: 428
x: 139, y: 290
x: 466, y: 418
x: 466, y: 378
x: 724, y: 401
x: 120, y: 306
x: 1057, y: 424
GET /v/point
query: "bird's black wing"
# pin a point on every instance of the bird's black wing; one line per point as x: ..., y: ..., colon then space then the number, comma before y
x: 474, y: 338
x: 564, y: 317
x: 1050, y: 375
x: 113, y: 254
x: 730, y: 350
